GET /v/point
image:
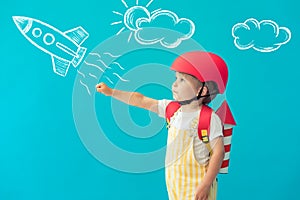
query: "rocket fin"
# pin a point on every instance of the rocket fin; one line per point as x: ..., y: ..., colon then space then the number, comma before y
x: 225, y: 114
x: 78, y: 35
x: 60, y: 66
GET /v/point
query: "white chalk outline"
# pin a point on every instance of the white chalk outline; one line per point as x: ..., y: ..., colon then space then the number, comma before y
x: 125, y: 4
x: 120, y: 31
x: 86, y: 87
x: 135, y: 25
x: 154, y: 11
x: 111, y: 55
x: 34, y: 32
x: 117, y: 13
x: 77, y: 58
x: 95, y: 54
x: 258, y: 25
x: 117, y: 75
x: 82, y: 74
x: 103, y: 63
x: 109, y: 80
x: 129, y: 37
x: 94, y: 76
x: 149, y: 3
x: 118, y: 22
x: 118, y: 64
x: 94, y: 65
x: 175, y: 18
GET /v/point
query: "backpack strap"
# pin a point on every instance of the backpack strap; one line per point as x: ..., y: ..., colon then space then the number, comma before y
x: 171, y: 109
x: 204, y: 126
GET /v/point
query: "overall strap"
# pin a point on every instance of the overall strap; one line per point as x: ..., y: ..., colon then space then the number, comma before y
x: 171, y: 108
x: 204, y: 126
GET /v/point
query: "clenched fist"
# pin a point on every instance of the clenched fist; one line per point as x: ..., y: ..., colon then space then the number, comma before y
x: 104, y: 89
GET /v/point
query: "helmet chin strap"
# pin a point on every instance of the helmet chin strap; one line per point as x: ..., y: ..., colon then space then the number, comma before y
x: 185, y: 102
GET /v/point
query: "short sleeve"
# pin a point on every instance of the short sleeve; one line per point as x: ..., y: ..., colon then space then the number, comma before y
x: 162, y: 104
x: 216, y: 127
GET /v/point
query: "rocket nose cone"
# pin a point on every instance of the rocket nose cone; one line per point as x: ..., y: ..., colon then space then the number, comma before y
x: 23, y: 23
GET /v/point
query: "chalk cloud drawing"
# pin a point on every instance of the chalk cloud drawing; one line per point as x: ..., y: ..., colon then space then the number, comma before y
x: 263, y: 36
x: 138, y: 18
x: 63, y: 47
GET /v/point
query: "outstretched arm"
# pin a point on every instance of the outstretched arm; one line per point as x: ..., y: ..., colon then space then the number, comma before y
x: 131, y: 98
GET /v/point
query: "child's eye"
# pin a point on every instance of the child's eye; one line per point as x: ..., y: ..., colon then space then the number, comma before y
x: 180, y: 79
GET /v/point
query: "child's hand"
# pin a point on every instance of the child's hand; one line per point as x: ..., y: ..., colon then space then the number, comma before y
x: 202, y: 192
x: 104, y: 89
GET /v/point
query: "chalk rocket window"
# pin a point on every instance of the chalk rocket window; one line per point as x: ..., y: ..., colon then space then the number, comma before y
x: 37, y: 32
x: 48, y: 39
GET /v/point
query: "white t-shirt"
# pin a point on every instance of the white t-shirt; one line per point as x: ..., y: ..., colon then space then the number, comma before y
x: 189, y: 121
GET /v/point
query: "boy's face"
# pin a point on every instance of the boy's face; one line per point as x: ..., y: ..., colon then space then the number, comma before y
x: 185, y: 87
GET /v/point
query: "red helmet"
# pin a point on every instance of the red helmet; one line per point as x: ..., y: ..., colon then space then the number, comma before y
x: 204, y: 66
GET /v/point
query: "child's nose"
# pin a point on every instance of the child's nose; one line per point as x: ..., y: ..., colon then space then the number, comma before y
x: 174, y: 84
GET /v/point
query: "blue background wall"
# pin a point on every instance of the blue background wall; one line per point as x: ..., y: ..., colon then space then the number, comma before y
x: 42, y: 156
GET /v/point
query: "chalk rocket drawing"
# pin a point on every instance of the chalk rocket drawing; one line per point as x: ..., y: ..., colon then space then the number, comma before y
x: 63, y: 47
x: 137, y: 18
x: 263, y: 36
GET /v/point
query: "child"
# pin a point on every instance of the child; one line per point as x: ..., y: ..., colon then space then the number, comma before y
x: 191, y: 167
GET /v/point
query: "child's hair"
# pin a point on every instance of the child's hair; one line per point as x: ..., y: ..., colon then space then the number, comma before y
x: 212, y: 87
x: 212, y: 91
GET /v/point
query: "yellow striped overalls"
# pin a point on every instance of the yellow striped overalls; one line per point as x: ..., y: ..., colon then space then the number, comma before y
x: 183, y: 173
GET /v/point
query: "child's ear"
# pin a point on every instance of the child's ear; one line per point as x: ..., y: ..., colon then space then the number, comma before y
x: 204, y: 91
